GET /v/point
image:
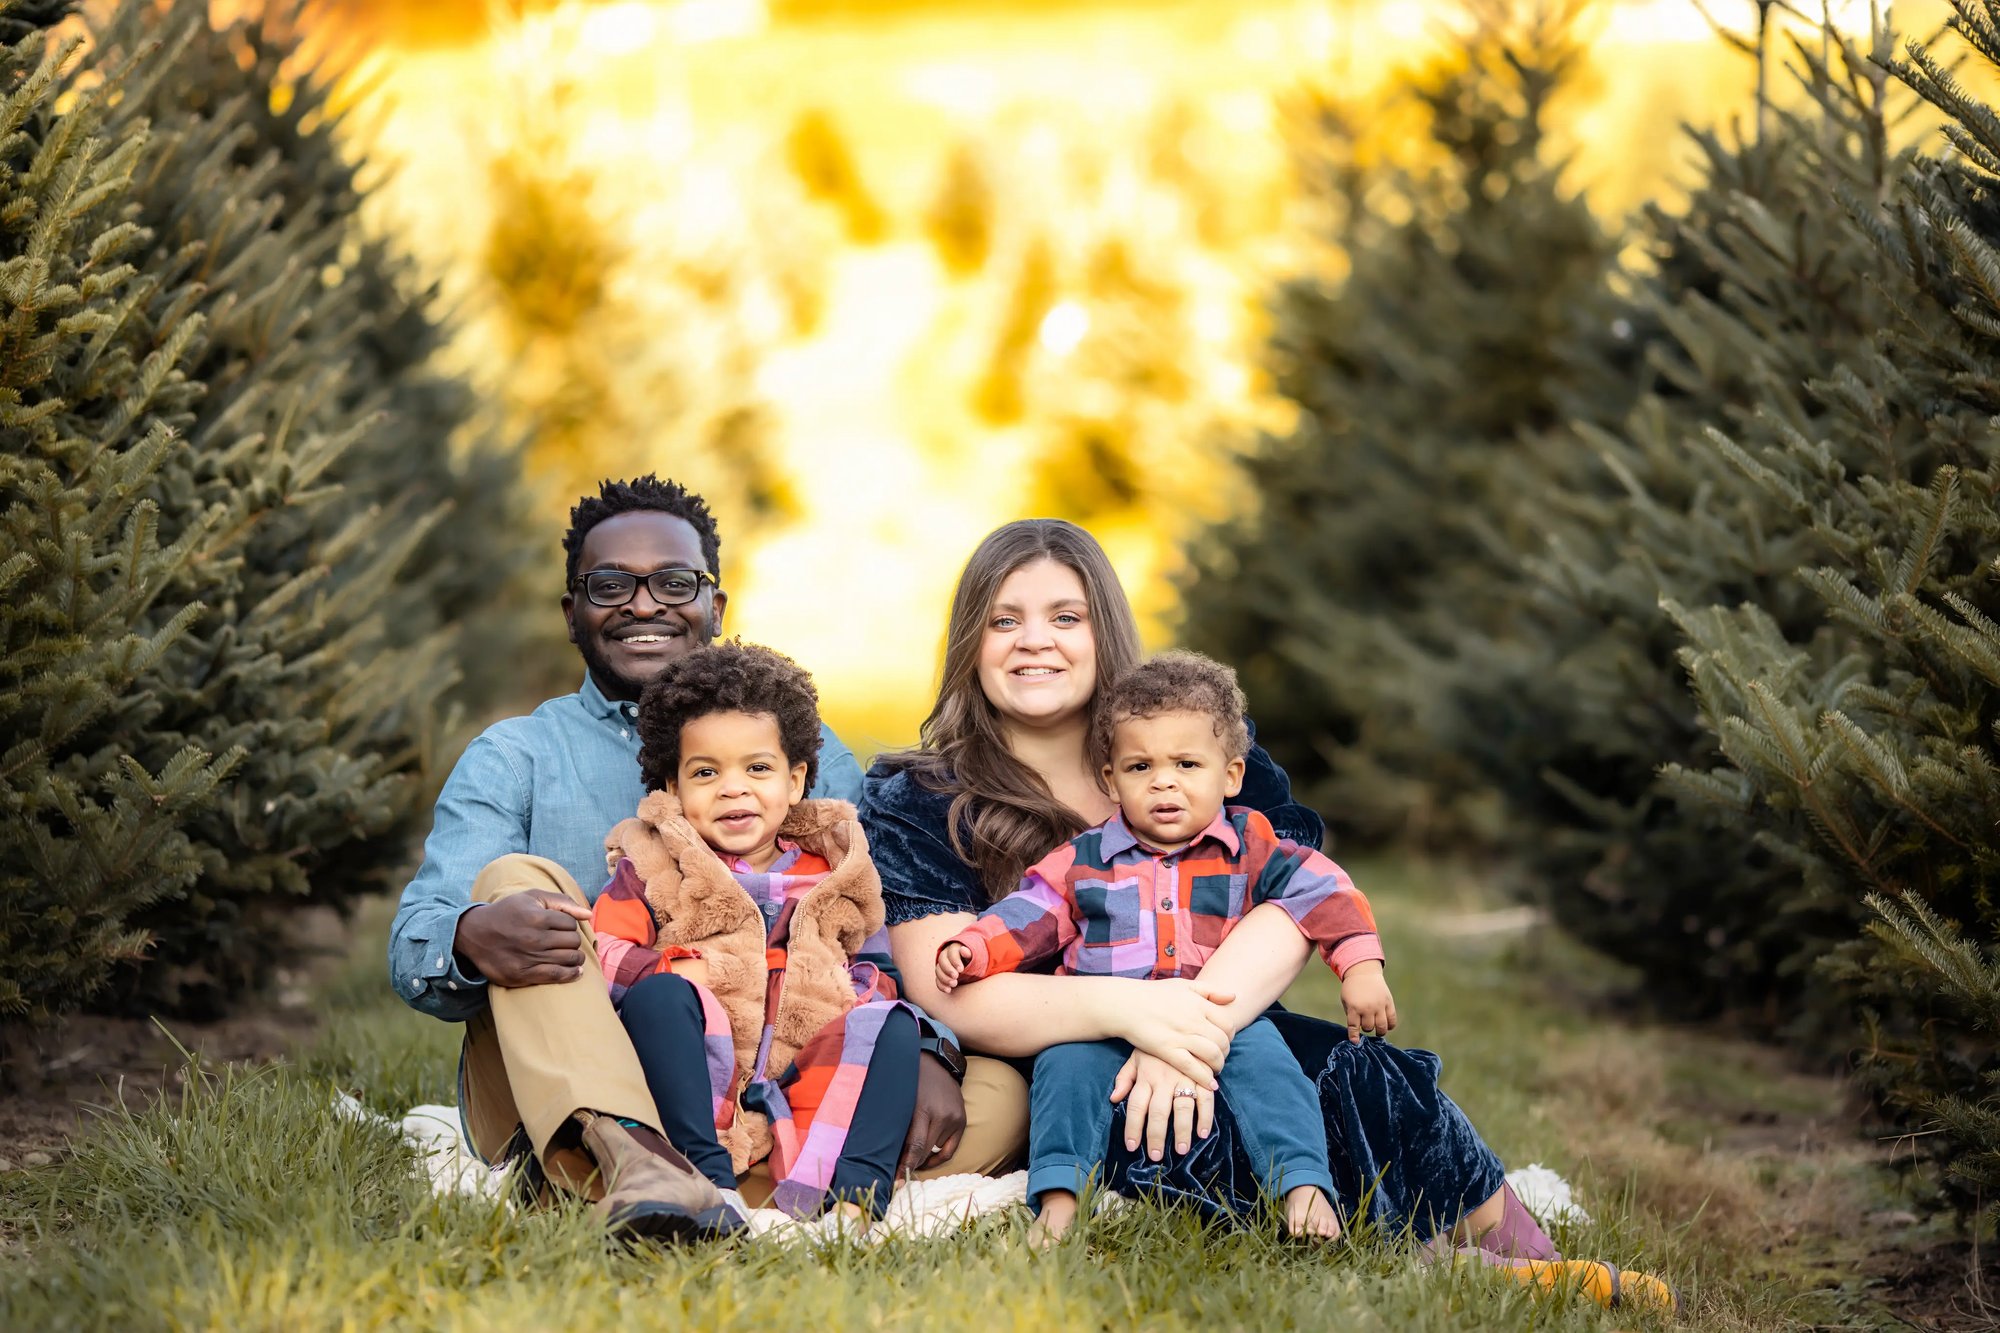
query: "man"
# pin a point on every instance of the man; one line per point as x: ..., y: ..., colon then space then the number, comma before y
x: 493, y: 930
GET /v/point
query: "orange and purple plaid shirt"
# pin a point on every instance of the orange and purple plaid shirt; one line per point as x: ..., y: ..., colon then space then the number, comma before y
x: 1113, y: 907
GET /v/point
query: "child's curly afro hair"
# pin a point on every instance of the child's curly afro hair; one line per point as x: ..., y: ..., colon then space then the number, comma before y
x: 727, y: 677
x: 1176, y: 682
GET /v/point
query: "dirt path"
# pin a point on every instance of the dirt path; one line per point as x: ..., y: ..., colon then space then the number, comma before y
x: 94, y: 1062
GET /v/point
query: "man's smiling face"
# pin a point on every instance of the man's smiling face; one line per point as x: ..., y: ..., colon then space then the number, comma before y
x: 626, y: 646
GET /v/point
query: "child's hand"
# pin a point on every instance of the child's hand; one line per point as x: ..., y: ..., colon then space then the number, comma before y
x: 951, y: 961
x: 1364, y: 993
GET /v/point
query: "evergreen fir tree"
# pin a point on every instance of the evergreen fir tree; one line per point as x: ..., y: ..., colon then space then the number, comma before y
x: 1761, y: 286
x: 90, y: 569
x: 251, y: 388
x: 1942, y: 1076
x: 1438, y: 353
x: 1862, y: 747
x: 339, y: 714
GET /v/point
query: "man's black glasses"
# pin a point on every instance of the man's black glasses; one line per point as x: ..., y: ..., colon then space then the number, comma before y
x: 670, y: 587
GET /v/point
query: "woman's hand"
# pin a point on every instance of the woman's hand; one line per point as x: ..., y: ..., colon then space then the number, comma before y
x: 1155, y: 1093
x: 1182, y: 1023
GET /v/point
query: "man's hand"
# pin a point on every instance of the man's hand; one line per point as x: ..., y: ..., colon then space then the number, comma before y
x: 1364, y: 993
x: 951, y: 961
x: 525, y: 939
x: 939, y: 1119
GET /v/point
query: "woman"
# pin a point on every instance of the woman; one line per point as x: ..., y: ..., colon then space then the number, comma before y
x: 1002, y: 775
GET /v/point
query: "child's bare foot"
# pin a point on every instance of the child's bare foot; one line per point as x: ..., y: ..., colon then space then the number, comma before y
x: 1309, y: 1215
x: 842, y: 1224
x: 1057, y: 1216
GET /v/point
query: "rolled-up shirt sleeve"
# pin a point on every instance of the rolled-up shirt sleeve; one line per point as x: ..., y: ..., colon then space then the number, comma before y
x: 482, y: 815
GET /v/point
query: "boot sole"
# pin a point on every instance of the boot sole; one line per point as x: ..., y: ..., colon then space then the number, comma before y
x: 673, y: 1225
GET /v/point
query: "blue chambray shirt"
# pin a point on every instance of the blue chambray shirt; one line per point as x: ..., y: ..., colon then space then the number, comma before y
x: 551, y: 784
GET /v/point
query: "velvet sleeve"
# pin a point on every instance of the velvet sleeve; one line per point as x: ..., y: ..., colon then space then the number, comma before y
x: 906, y: 828
x: 1267, y: 788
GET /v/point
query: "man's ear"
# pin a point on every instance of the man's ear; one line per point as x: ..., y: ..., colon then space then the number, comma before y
x: 798, y: 783
x: 715, y: 619
x: 1232, y: 777
x: 569, y: 614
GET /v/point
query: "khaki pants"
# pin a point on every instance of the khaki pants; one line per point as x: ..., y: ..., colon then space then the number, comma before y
x: 539, y: 1054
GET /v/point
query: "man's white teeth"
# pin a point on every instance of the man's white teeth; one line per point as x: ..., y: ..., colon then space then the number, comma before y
x: 645, y: 638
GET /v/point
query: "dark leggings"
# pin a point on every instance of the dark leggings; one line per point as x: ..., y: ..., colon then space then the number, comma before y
x: 662, y: 1014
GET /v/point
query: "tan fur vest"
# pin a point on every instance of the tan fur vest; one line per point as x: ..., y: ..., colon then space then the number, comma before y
x: 698, y: 903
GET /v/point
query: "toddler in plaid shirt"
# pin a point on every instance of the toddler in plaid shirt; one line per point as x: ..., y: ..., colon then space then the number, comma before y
x: 1151, y: 893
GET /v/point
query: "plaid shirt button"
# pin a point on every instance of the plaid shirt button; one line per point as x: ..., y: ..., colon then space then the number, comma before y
x: 1170, y: 951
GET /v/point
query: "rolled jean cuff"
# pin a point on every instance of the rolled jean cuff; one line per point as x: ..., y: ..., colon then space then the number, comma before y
x: 1286, y: 1177
x: 1072, y: 1174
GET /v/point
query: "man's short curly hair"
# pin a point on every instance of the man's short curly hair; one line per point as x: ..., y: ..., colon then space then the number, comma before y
x: 647, y: 494
x: 727, y: 677
x: 1176, y: 682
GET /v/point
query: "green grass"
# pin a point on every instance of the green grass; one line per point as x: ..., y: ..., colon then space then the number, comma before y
x: 242, y: 1202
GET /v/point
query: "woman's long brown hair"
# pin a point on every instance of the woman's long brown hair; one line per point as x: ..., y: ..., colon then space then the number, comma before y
x: 1004, y: 818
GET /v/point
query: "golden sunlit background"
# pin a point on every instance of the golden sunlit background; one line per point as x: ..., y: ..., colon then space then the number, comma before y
x: 877, y: 277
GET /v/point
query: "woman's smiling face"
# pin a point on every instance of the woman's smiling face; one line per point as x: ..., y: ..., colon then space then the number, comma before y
x: 1038, y: 657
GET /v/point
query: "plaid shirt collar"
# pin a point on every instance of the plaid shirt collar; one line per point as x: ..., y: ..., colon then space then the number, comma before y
x: 789, y: 853
x: 1118, y: 837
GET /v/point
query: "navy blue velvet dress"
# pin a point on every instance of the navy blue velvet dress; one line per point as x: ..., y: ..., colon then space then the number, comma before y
x: 1403, y: 1154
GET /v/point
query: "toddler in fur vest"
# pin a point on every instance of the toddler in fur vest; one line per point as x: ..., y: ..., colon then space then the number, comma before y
x: 730, y: 936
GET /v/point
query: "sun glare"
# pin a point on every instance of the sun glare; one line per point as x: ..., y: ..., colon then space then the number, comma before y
x: 908, y: 262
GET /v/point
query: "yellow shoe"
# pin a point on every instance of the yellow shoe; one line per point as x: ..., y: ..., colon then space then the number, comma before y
x: 1602, y: 1282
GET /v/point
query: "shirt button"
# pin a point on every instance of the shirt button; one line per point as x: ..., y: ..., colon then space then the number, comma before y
x: 416, y: 985
x: 1170, y: 951
x: 624, y: 735
x: 1166, y: 904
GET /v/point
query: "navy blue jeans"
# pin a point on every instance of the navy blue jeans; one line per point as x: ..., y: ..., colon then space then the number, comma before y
x: 1403, y: 1154
x: 1273, y: 1108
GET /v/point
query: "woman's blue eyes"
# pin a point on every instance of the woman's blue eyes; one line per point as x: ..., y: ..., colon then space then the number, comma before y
x: 1065, y: 619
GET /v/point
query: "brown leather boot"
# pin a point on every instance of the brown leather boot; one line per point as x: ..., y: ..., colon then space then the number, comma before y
x: 653, y: 1191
